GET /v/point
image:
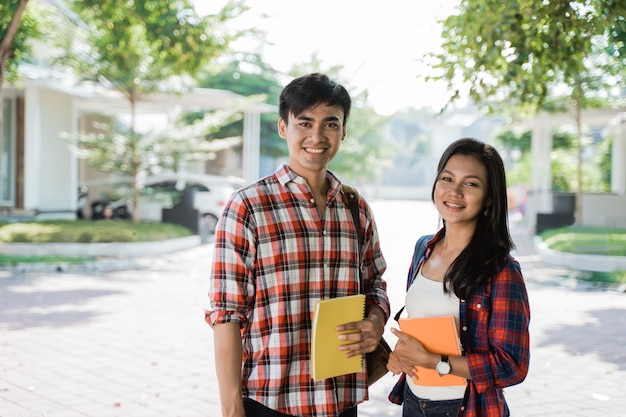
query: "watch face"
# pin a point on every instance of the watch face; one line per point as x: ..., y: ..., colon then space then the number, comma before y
x: 443, y: 368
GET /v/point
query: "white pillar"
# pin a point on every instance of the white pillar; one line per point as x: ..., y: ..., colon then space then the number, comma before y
x: 32, y: 147
x: 74, y: 179
x: 618, y: 158
x: 541, y: 147
x: 251, y: 145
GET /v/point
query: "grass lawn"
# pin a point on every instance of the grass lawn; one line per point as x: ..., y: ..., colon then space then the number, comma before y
x: 16, y: 259
x: 586, y: 240
x: 82, y: 231
x: 88, y: 231
x: 591, y: 241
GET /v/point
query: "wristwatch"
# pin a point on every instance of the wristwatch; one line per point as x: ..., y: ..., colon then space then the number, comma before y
x: 443, y: 366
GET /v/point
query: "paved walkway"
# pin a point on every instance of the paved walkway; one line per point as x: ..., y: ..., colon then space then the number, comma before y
x: 133, y: 343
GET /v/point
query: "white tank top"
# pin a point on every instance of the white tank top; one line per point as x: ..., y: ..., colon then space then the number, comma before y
x: 425, y: 298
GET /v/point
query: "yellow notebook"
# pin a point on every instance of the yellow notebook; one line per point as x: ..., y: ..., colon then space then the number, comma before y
x: 438, y: 335
x: 327, y: 360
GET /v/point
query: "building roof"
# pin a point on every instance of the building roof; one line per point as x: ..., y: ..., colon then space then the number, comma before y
x: 91, y: 97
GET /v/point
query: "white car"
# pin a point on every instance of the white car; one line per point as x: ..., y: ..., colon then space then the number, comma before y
x: 209, y: 192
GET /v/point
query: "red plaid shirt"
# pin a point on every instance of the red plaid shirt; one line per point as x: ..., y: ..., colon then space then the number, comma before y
x: 495, y: 338
x: 274, y: 258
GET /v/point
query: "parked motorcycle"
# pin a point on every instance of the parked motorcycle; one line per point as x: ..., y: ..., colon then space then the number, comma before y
x: 102, y: 208
x: 107, y: 209
x: 82, y: 202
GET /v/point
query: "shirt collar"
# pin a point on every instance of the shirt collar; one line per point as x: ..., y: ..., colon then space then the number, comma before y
x: 285, y: 174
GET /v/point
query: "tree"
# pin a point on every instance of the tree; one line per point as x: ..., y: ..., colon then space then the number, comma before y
x: 146, y: 46
x: 520, y: 55
x: 184, y: 142
x: 364, y: 152
x: 248, y: 75
x: 17, y: 28
x: 12, y: 40
x: 512, y: 141
x: 107, y: 149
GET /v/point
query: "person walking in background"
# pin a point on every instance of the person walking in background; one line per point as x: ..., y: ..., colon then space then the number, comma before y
x: 282, y: 244
x: 466, y: 271
x: 108, y: 213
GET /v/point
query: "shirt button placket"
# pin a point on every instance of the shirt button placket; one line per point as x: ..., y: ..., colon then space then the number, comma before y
x: 326, y: 245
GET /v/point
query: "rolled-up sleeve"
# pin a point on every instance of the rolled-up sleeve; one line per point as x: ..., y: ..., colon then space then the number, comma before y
x: 231, y: 291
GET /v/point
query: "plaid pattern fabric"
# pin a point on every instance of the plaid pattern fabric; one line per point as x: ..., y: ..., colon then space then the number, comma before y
x: 274, y: 258
x: 500, y: 311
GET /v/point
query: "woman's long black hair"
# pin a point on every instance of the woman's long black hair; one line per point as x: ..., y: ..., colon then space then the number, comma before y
x: 491, y: 242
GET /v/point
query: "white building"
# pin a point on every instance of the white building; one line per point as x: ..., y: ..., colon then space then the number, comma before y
x: 39, y: 176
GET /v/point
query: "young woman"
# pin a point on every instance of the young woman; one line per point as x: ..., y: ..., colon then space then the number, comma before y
x: 466, y: 271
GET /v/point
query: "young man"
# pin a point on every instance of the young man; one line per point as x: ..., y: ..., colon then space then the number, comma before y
x: 281, y: 244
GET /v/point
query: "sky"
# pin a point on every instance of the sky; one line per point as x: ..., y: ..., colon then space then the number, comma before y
x: 378, y: 43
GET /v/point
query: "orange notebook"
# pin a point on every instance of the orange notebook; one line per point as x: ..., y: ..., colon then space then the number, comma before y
x: 327, y: 360
x: 438, y: 335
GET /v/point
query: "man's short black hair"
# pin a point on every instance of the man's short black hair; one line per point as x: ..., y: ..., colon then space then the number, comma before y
x: 310, y: 91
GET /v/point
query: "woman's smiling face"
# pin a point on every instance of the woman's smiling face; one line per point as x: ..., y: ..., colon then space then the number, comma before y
x: 461, y: 190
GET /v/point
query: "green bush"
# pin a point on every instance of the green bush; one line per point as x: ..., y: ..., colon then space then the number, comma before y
x: 615, y: 277
x: 586, y: 240
x: 26, y: 232
x: 14, y: 260
x: 591, y: 241
x: 86, y: 231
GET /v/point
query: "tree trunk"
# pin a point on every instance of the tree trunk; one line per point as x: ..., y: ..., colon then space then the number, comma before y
x: 5, y: 44
x: 6, y: 53
x: 1, y: 104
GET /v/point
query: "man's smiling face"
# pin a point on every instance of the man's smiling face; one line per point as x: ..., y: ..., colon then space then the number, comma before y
x: 313, y: 138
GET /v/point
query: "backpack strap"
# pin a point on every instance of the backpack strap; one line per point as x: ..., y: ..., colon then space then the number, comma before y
x: 418, y: 255
x: 351, y: 198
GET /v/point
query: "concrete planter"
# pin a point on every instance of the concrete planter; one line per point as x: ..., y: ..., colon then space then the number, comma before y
x: 118, y: 250
x: 577, y: 261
